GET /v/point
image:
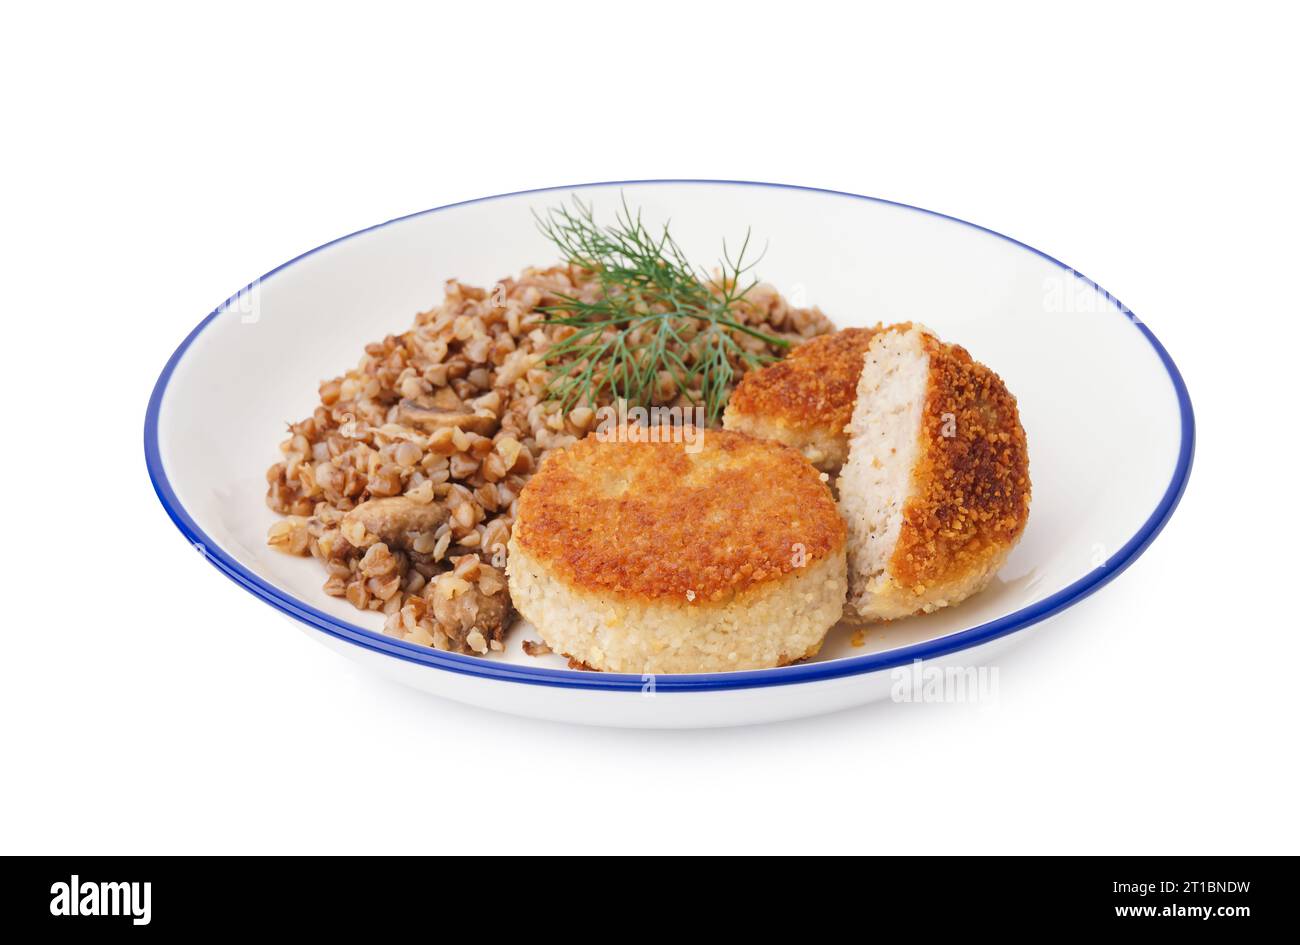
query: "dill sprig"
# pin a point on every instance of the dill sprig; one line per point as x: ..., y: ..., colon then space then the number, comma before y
x: 655, y: 313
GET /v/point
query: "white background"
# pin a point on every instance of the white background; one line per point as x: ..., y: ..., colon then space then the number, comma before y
x: 157, y: 159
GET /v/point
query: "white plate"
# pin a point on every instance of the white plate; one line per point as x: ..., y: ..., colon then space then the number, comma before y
x: 1108, y: 419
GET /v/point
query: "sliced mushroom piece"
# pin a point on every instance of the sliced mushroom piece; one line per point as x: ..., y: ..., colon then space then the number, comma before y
x: 431, y: 419
x: 461, y: 609
x: 396, y: 521
x: 444, y: 398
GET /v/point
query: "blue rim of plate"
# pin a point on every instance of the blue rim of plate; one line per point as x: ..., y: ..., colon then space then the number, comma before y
x: 486, y: 668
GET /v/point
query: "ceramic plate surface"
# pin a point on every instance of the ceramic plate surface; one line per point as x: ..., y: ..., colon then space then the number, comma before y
x: 1107, y: 416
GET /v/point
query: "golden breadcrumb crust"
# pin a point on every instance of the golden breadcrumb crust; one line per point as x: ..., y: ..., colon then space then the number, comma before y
x: 971, y: 498
x: 655, y: 521
x: 813, y: 388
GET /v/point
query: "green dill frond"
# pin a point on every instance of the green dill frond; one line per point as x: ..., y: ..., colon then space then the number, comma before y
x: 655, y: 314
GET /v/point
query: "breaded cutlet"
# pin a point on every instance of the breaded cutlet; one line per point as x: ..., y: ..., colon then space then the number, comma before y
x: 647, y: 557
x: 936, y: 489
x: 805, y: 400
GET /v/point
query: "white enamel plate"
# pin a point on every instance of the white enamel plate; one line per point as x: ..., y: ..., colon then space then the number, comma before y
x: 1107, y: 416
